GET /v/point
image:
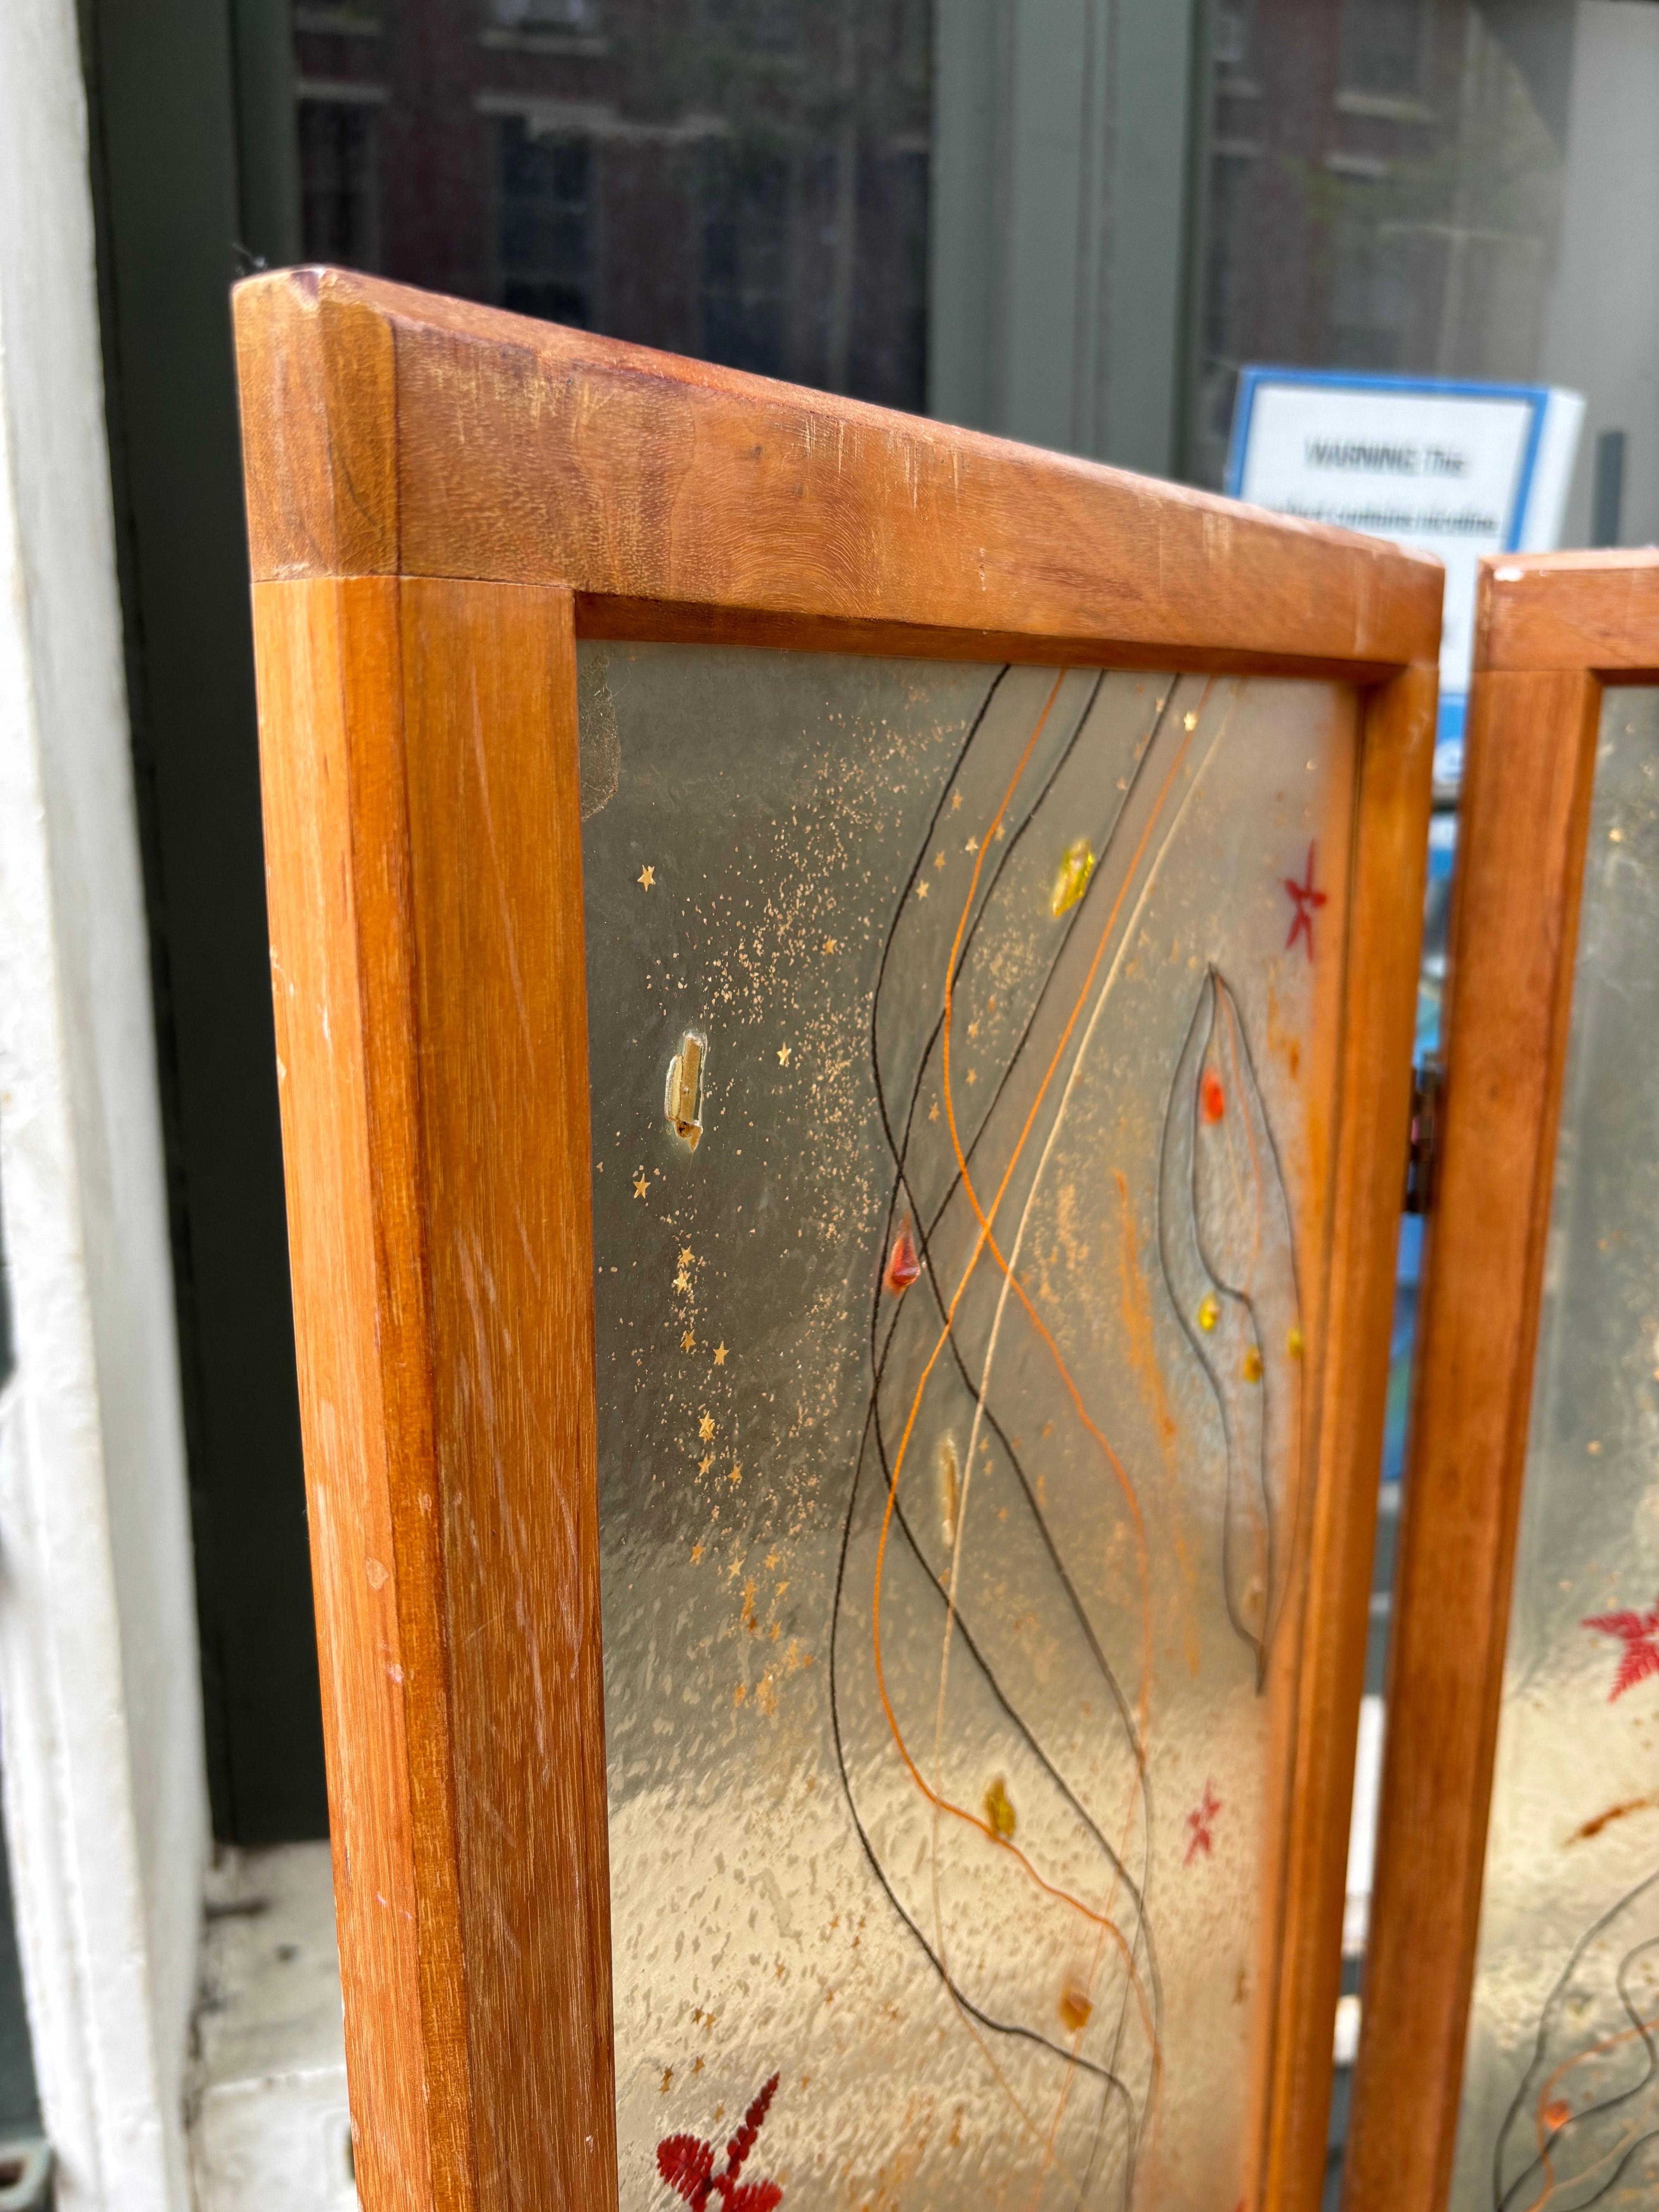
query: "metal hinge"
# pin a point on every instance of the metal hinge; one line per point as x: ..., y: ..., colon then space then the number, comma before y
x: 1428, y: 1083
x: 25, y: 2174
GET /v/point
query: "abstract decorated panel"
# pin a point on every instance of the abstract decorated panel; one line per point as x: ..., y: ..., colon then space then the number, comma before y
x: 1561, y: 2089
x: 964, y: 1047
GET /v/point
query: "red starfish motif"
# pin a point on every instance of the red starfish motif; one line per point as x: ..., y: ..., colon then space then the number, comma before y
x: 1640, y: 1657
x: 1308, y: 903
x: 686, y: 2163
x: 1201, y: 1824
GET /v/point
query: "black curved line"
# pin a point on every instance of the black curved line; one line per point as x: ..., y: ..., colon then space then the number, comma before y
x: 879, y: 1355
x: 1545, y: 2027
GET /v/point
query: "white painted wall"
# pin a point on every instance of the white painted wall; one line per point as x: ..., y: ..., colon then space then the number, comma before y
x: 99, y: 1699
x: 1601, y: 324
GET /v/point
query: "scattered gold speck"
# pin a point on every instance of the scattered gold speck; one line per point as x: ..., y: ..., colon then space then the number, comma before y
x: 1296, y: 1344
x: 641, y: 1183
x: 697, y: 1551
x: 687, y: 1342
x: 1189, y: 721
x: 783, y: 1055
x: 705, y: 1428
x: 1593, y: 1450
x: 939, y: 860
x: 999, y: 832
x: 932, y: 1115
x: 921, y: 888
x: 956, y: 802
x: 998, y: 1810
x: 1616, y: 835
x: 972, y: 846
x: 973, y: 1075
x: 646, y: 878
x: 1209, y: 1313
x: 1075, y: 2011
x: 1252, y: 1369
x: 973, y: 1029
x: 719, y: 1355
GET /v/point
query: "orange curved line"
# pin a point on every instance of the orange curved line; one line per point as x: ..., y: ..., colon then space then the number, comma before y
x: 942, y: 1804
x: 1143, y: 1561
x: 1596, y: 2049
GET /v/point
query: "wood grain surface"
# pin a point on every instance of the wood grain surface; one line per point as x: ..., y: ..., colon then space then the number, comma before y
x: 678, y: 499
x: 1389, y: 862
x: 418, y: 743
x: 1530, y: 759
x: 440, y: 498
x: 1597, y: 612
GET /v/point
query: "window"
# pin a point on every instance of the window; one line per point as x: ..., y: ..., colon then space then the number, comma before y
x: 546, y: 223
x: 1233, y: 39
x: 1384, y: 46
x: 1372, y: 290
x: 742, y: 294
x: 574, y: 17
x: 339, y: 196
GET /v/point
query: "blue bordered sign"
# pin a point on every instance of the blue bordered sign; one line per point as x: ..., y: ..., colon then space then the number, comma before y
x: 1459, y: 469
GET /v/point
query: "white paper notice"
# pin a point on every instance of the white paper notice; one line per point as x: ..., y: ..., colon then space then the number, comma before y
x: 1443, y: 470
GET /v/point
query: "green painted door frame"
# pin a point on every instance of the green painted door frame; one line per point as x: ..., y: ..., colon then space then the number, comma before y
x: 193, y: 175
x: 1069, y: 141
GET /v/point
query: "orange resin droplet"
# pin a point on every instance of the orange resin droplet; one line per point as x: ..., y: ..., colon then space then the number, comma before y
x: 1215, y: 1098
x: 1075, y: 2011
x: 1557, y: 2114
x: 903, y: 1265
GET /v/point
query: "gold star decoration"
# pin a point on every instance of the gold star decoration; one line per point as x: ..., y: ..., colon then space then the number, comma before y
x: 696, y: 1551
x: 706, y: 1427
x: 921, y: 889
x: 687, y: 1342
x: 972, y: 1076
x: 685, y: 1255
x: 939, y: 860
x: 973, y: 1029
x: 646, y: 878
x: 932, y: 1111
x: 1189, y: 721
x: 956, y: 802
x: 1001, y: 828
x: 972, y: 846
x: 737, y: 1471
x: 783, y: 1055
x: 831, y: 946
x: 705, y: 1462
x: 641, y: 1183
x: 682, y: 1281
x: 719, y: 1355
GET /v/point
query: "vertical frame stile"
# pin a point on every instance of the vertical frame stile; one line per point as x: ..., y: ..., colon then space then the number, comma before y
x: 1390, y: 861
x: 1530, y: 760
x: 428, y: 967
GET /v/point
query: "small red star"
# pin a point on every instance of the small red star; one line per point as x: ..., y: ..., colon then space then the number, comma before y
x: 1640, y: 1657
x: 1200, y: 1825
x: 1307, y: 901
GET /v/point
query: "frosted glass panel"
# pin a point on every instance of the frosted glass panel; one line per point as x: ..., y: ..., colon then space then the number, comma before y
x: 962, y: 1048
x: 1561, y: 2095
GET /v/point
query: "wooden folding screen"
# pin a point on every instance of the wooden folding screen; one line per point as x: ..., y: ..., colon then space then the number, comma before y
x: 1531, y: 1212
x: 724, y: 811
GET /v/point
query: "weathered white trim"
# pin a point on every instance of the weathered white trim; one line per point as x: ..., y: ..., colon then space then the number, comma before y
x: 99, y: 1704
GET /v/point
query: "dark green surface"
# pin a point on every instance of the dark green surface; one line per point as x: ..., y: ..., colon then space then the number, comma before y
x: 168, y: 101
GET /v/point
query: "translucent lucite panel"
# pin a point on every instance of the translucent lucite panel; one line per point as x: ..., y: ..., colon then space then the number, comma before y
x: 962, y: 1048
x: 1561, y: 2091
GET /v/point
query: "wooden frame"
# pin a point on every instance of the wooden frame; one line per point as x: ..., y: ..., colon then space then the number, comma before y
x: 1552, y: 632
x: 441, y: 500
